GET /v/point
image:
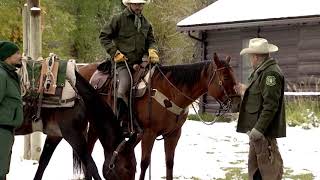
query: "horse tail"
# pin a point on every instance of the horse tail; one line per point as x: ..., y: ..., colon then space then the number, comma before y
x: 77, y: 166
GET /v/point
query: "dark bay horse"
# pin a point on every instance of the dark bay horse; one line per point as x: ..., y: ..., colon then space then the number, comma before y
x: 179, y: 85
x: 71, y: 124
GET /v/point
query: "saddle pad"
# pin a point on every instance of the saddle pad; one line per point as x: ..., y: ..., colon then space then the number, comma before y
x: 142, y: 85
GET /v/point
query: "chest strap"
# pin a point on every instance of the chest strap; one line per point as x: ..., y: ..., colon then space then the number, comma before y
x: 167, y: 103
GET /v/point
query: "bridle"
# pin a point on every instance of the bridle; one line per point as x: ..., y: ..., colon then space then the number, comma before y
x: 225, y: 105
x: 113, y: 159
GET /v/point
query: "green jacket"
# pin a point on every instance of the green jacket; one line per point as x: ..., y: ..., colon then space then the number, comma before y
x: 262, y: 105
x: 121, y: 34
x: 11, y: 107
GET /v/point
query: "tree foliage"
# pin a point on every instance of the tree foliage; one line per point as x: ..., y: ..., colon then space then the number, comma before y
x: 10, y: 20
x: 70, y: 28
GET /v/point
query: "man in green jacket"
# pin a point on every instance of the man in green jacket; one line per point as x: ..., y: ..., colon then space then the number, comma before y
x: 11, y: 113
x: 127, y: 37
x: 262, y: 111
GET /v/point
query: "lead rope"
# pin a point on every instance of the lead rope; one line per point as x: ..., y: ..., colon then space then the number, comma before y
x: 149, y: 106
x: 204, y: 122
x: 115, y: 90
x: 24, y: 77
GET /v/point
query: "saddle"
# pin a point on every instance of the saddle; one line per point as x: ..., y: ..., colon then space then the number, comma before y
x: 103, y: 81
x: 50, y: 79
x: 46, y: 83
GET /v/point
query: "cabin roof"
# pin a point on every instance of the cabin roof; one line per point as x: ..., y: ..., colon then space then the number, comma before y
x: 242, y: 13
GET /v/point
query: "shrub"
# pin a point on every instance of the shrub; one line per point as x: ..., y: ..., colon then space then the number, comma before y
x: 303, y: 111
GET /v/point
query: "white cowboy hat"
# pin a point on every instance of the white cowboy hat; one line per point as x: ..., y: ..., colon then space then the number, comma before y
x: 127, y: 2
x: 259, y: 46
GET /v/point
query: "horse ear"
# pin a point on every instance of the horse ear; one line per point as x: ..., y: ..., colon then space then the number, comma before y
x: 216, y: 59
x: 228, y: 58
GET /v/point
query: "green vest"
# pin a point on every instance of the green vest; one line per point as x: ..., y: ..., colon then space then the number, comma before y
x: 262, y: 105
x: 122, y: 34
x: 11, y: 108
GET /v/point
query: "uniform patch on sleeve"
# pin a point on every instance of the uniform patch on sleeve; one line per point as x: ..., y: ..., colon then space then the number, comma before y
x: 271, y: 81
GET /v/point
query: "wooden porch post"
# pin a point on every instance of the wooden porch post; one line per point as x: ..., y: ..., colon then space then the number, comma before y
x: 32, y: 47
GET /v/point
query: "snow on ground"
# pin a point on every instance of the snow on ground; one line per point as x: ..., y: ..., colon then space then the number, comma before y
x: 203, y: 152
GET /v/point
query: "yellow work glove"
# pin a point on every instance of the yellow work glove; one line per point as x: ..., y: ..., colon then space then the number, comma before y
x: 119, y: 57
x: 153, y: 56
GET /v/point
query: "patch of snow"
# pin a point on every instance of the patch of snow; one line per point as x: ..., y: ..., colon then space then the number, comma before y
x: 203, y: 152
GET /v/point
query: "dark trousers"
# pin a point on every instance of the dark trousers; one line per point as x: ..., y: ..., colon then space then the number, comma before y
x: 6, y: 143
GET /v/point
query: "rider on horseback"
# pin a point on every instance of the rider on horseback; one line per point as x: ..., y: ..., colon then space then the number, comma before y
x: 127, y: 37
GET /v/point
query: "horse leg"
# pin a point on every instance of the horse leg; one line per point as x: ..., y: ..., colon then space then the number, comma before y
x: 92, y: 138
x: 146, y: 149
x: 170, y: 144
x: 48, y: 149
x: 78, y: 143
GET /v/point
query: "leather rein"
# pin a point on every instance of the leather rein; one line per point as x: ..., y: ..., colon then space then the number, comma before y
x: 225, y: 105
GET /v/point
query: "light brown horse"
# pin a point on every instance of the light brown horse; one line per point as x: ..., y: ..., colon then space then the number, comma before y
x: 181, y: 85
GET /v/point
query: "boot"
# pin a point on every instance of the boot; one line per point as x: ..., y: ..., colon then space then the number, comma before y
x: 123, y: 117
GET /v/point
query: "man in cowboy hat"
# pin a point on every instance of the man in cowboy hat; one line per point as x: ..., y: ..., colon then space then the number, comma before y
x: 11, y: 115
x: 127, y: 37
x: 262, y: 111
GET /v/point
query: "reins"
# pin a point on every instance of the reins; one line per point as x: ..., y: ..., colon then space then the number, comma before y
x: 224, y: 107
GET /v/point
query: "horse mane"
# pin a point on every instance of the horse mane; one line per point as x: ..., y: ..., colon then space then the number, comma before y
x: 100, y: 111
x: 185, y: 74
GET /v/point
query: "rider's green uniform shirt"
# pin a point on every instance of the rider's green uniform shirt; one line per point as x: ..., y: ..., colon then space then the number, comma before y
x: 262, y: 105
x: 122, y: 34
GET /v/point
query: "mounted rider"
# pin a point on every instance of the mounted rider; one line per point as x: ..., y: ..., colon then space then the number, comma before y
x: 127, y: 38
